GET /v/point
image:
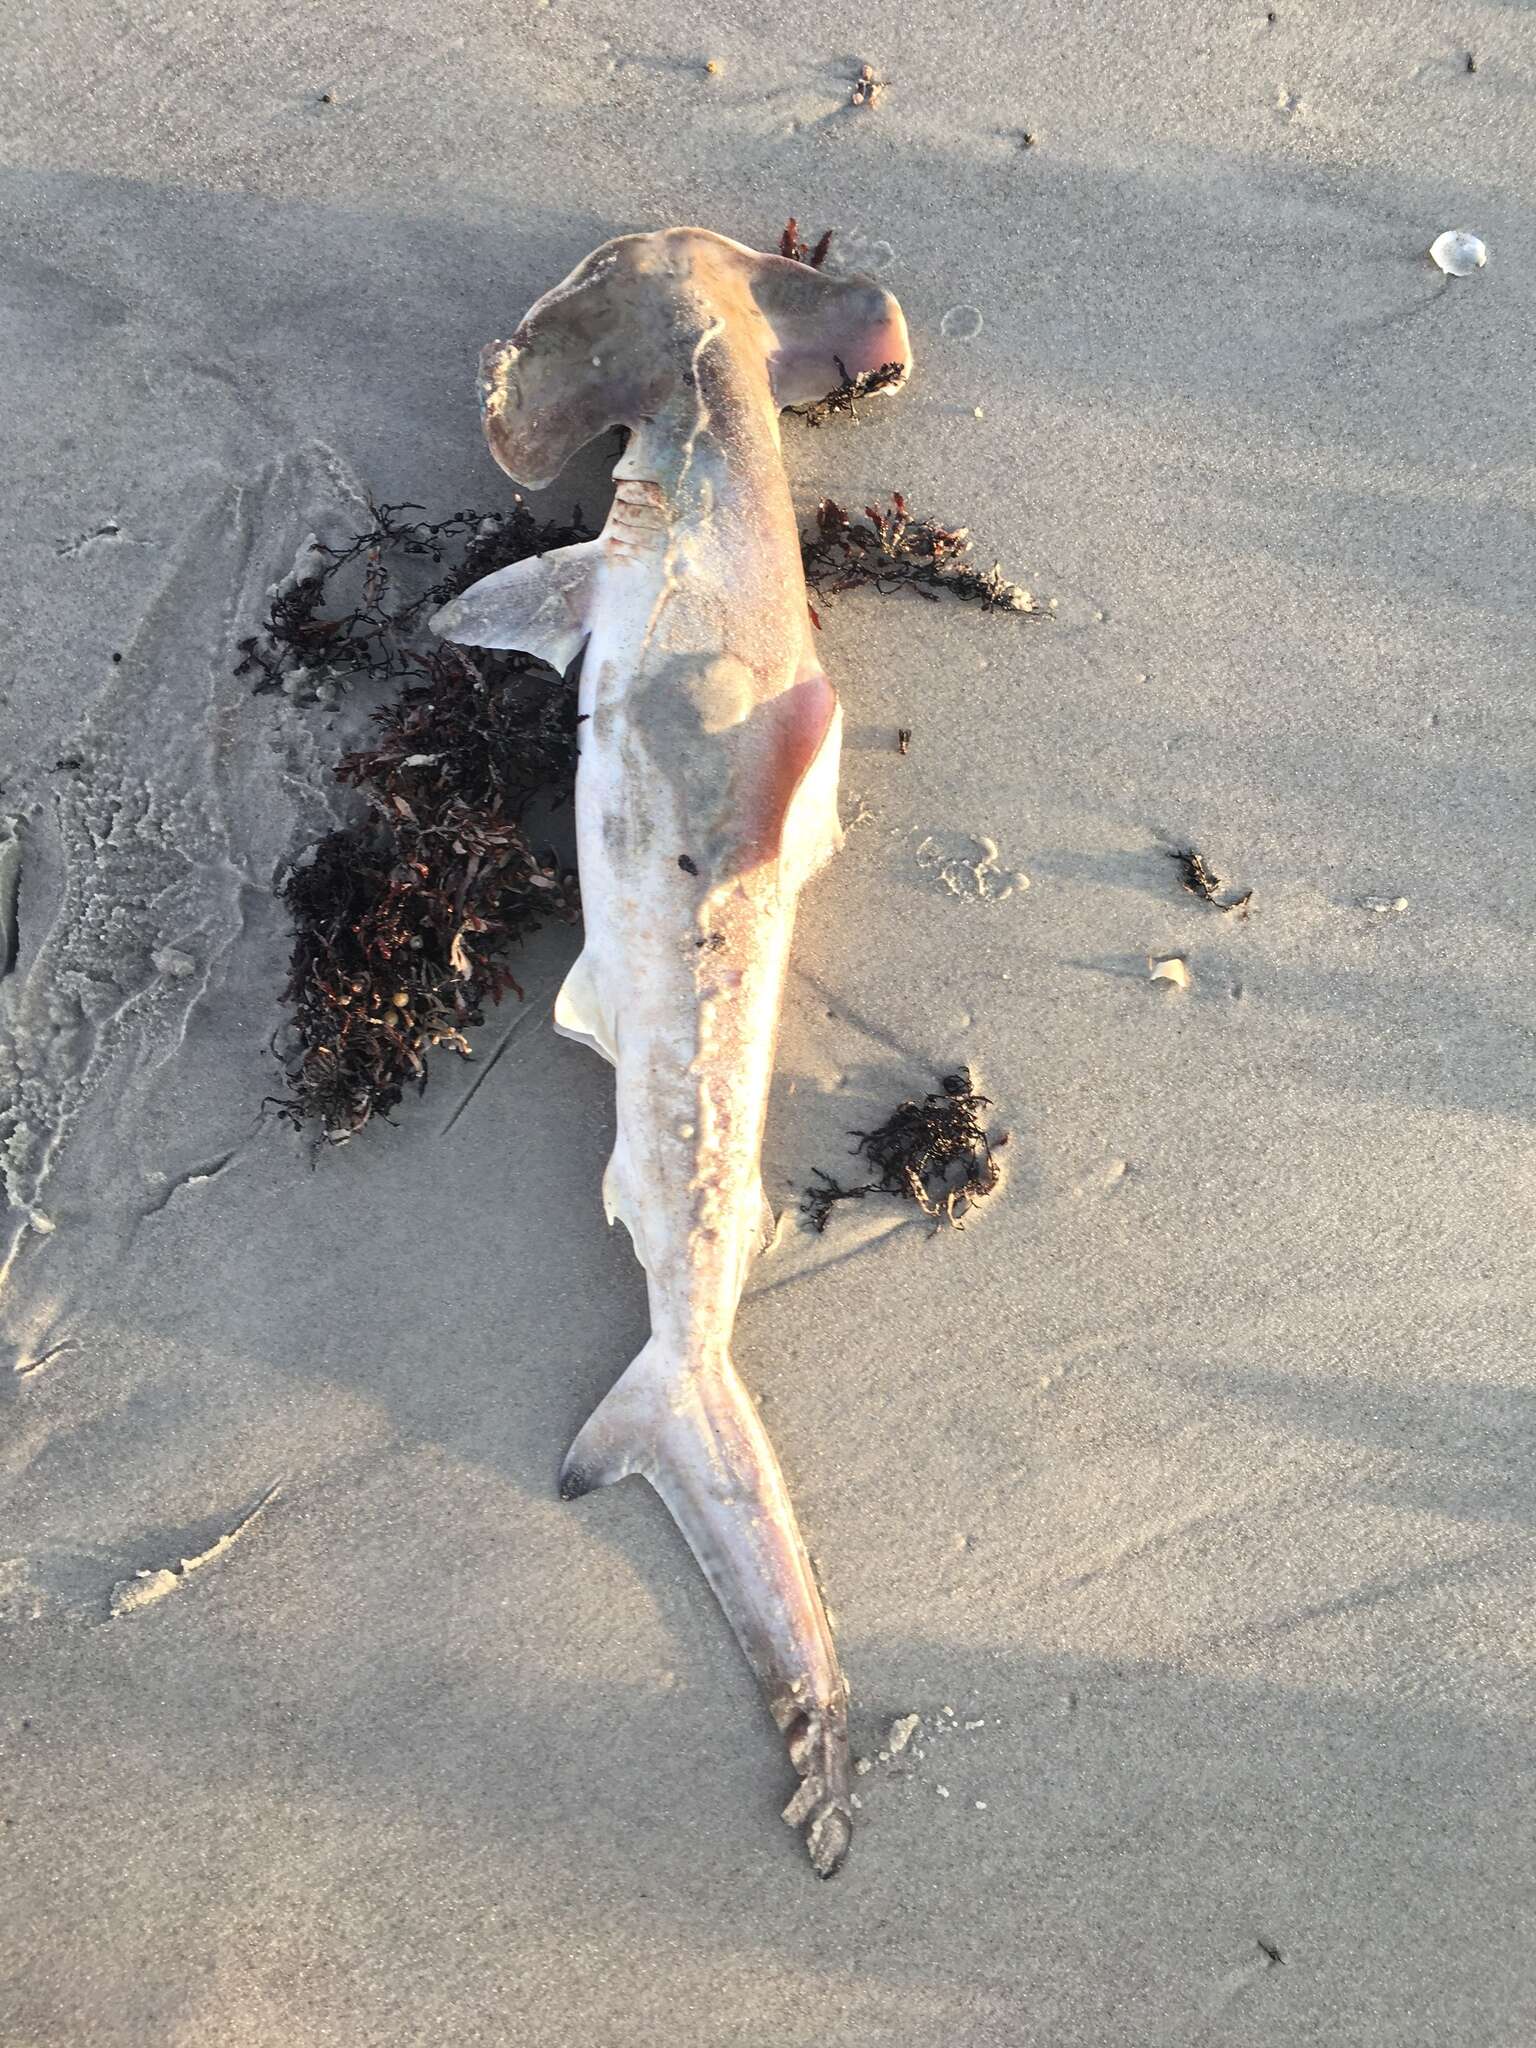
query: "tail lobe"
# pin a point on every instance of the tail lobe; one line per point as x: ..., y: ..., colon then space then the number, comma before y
x: 694, y: 1432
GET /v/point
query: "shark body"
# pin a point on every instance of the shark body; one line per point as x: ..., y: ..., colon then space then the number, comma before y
x: 706, y: 798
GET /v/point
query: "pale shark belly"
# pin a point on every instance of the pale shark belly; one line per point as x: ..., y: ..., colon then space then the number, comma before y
x: 679, y: 981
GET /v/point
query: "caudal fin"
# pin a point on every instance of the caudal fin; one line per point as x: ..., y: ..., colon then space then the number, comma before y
x: 695, y: 1434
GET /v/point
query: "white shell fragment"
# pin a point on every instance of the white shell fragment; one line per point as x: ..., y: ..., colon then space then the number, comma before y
x: 902, y: 1732
x: 1457, y: 253
x: 1169, y: 970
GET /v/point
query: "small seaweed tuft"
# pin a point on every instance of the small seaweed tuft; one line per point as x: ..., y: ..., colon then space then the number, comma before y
x: 936, y: 1152
x: 892, y: 550
x: 1200, y: 879
x: 847, y: 394
x: 790, y: 245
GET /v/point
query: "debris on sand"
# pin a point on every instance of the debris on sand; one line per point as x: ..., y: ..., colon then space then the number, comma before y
x: 843, y: 252
x: 790, y: 245
x: 1196, y: 876
x: 299, y: 651
x: 1201, y: 879
x: 847, y: 394
x: 902, y: 1732
x: 401, y: 920
x: 935, y: 1152
x: 893, y: 549
x: 1458, y: 253
x: 868, y: 90
x: 1174, y: 970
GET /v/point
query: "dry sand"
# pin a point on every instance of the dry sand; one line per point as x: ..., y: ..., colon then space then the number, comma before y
x: 1198, y: 1474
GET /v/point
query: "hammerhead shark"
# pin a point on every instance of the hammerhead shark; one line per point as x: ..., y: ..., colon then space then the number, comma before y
x: 706, y: 798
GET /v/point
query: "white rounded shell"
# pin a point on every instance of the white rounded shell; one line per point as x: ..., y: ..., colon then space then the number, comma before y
x: 1458, y: 253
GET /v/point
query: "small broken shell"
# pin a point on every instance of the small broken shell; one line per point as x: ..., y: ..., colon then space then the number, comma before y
x: 902, y: 1732
x: 1173, y: 970
x: 1457, y: 253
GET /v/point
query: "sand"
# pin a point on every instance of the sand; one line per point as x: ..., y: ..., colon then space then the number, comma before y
x: 1195, y: 1476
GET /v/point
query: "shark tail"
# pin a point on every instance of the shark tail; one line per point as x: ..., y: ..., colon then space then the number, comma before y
x: 694, y: 1432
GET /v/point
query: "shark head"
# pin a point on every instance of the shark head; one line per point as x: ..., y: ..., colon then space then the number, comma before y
x: 613, y: 345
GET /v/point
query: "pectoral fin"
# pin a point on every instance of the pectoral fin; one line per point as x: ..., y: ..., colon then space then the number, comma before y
x: 792, y: 818
x: 539, y: 607
x: 813, y: 831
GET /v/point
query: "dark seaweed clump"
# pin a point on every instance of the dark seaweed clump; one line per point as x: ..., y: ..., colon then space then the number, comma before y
x: 892, y: 551
x: 936, y: 1152
x: 1200, y: 879
x: 402, y: 921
